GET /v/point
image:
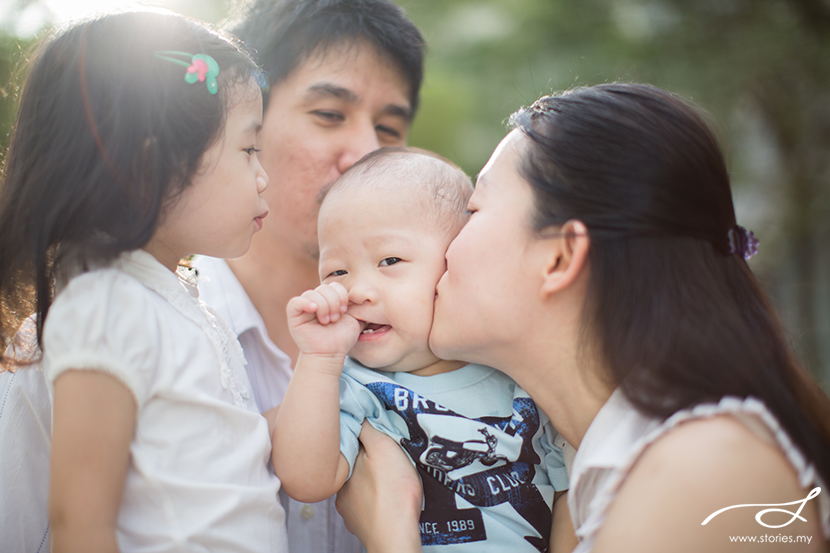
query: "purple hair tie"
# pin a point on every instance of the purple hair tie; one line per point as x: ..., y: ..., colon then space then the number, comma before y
x: 742, y: 241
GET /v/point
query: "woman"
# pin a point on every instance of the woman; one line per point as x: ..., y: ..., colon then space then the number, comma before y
x: 603, y: 270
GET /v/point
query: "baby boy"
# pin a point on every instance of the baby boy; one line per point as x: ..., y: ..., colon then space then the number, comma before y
x: 489, y: 460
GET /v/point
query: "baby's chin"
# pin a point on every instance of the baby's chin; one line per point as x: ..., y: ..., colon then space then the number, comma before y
x: 420, y: 364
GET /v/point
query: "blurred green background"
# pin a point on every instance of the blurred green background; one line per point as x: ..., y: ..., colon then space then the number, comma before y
x: 761, y: 67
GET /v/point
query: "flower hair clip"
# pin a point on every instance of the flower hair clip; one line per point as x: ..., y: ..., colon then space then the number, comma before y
x: 742, y: 241
x: 201, y: 67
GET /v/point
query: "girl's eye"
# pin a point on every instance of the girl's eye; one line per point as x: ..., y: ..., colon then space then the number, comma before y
x: 251, y: 151
x: 337, y: 273
x: 390, y: 261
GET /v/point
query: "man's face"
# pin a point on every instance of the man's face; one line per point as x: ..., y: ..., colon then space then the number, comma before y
x: 323, y: 117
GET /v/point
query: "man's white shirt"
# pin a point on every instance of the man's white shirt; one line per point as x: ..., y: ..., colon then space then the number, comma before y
x: 314, y: 527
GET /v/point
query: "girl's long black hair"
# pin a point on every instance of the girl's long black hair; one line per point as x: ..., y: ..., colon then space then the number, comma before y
x: 676, y: 318
x: 107, y: 135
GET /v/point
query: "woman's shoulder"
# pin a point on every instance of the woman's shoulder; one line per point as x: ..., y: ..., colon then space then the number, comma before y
x: 721, y: 440
x: 696, y: 465
x: 720, y: 455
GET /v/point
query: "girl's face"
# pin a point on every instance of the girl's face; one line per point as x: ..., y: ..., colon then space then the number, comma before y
x: 220, y: 211
x: 485, y: 299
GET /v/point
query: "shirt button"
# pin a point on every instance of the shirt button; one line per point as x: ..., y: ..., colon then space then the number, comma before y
x: 307, y: 511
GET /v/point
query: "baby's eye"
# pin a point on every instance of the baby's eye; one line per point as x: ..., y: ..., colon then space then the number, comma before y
x: 251, y: 151
x: 337, y: 273
x: 390, y: 261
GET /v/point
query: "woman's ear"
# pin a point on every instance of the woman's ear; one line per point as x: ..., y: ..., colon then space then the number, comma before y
x: 567, y: 257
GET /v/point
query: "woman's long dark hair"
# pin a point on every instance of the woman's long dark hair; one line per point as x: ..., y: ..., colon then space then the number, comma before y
x: 107, y: 135
x: 677, y: 320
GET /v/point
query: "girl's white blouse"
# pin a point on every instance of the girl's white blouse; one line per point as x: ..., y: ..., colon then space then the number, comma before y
x: 198, y: 478
x: 619, y: 434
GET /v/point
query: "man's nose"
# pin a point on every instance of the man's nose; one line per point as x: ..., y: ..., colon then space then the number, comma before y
x: 363, y: 140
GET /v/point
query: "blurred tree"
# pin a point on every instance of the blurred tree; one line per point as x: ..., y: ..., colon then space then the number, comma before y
x: 762, y: 67
x: 11, y: 51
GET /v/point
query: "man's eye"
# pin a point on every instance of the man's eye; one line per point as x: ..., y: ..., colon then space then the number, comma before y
x: 390, y: 261
x: 388, y: 131
x: 329, y: 116
x: 337, y: 273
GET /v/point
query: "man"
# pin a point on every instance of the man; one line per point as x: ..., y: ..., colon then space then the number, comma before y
x: 343, y: 79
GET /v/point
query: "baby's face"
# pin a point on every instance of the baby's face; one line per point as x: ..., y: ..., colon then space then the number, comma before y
x: 386, y: 249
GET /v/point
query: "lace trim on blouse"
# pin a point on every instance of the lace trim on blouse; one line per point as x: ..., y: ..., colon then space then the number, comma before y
x: 185, y: 299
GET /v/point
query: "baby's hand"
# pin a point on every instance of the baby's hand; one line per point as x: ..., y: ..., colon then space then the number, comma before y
x: 319, y: 323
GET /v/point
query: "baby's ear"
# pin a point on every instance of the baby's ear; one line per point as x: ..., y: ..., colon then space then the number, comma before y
x: 566, y: 258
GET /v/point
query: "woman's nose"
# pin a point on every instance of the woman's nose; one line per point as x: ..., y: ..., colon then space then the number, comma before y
x: 262, y: 179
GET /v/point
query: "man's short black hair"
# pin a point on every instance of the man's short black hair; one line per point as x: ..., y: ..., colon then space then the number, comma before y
x: 283, y: 34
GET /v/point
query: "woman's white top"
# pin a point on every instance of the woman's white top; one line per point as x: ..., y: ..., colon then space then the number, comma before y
x: 25, y: 431
x: 197, y: 478
x: 619, y: 434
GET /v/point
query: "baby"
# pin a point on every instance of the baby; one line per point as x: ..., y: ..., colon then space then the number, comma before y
x: 489, y: 460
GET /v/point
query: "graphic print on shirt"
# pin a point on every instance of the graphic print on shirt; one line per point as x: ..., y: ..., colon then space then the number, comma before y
x: 470, y: 464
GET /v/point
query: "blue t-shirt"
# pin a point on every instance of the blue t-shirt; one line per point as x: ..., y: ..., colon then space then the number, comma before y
x: 489, y: 460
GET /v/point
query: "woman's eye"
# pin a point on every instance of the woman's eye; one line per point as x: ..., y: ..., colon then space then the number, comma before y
x: 390, y: 261
x: 337, y: 273
x: 251, y: 151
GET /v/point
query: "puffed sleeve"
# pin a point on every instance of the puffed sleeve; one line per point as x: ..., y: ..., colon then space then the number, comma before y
x: 105, y: 321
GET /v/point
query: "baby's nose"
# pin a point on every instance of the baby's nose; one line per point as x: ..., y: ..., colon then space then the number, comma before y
x: 362, y: 293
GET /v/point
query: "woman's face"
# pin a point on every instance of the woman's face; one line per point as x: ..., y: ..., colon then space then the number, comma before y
x: 484, y: 300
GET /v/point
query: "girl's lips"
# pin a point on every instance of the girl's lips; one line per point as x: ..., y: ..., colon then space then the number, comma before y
x: 376, y: 333
x: 258, y: 220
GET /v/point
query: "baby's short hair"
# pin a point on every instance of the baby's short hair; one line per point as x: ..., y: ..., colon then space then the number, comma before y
x: 446, y: 188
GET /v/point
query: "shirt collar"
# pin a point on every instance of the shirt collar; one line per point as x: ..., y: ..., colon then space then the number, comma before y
x: 617, y: 426
x: 235, y: 305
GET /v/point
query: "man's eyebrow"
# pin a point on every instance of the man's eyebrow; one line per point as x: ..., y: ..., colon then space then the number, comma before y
x: 323, y: 90
x: 397, y: 110
x: 332, y: 90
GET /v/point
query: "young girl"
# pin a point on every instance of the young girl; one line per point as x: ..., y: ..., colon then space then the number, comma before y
x: 135, y: 146
x: 489, y: 461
